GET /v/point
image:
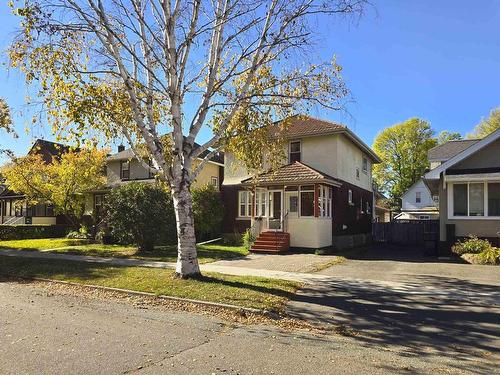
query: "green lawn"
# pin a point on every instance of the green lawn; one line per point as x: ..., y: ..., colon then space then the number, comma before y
x: 255, y: 292
x: 206, y: 253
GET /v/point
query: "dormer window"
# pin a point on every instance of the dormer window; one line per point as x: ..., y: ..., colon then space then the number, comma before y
x: 418, y: 197
x: 295, y: 148
x: 125, y: 170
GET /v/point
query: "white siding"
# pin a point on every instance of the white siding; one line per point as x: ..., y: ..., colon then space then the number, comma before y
x: 409, y: 198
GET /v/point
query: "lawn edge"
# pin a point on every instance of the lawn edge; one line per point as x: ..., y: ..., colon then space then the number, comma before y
x: 263, y: 312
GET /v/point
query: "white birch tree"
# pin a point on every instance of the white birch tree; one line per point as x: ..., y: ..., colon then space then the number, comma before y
x: 142, y: 69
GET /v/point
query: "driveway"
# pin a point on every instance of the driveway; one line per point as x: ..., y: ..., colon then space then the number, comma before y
x: 393, y: 299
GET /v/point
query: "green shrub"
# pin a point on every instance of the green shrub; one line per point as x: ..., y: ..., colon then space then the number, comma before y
x: 232, y: 239
x: 248, y: 239
x: 81, y: 234
x: 490, y: 256
x: 207, y: 213
x: 29, y: 232
x: 473, y: 245
x: 140, y: 214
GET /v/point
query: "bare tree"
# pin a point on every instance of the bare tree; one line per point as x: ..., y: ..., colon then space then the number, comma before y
x: 146, y: 68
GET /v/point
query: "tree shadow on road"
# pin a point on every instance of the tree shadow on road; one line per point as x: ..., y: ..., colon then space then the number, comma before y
x: 431, y: 316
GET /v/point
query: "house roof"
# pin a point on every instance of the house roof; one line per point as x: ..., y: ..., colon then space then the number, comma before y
x: 299, y: 126
x: 48, y: 149
x: 436, y: 172
x: 449, y: 149
x: 129, y: 154
x: 296, y: 172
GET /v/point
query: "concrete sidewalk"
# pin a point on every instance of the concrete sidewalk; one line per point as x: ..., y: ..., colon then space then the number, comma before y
x: 211, y: 267
x: 316, y: 280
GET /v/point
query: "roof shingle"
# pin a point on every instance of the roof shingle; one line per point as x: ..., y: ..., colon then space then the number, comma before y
x: 290, y: 173
x: 450, y: 149
x: 303, y: 125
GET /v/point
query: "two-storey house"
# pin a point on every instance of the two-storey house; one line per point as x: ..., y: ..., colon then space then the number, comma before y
x: 123, y: 167
x: 321, y: 196
x: 14, y: 210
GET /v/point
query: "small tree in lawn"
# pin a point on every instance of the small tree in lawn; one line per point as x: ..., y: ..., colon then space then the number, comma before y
x: 137, y: 212
x: 62, y: 183
x: 144, y: 68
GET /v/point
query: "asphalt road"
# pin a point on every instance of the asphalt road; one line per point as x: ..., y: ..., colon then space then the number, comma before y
x: 51, y: 332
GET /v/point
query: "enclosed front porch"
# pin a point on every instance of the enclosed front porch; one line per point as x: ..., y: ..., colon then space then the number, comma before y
x: 297, y: 213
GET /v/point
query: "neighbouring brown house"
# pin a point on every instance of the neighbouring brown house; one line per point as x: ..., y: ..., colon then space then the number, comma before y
x: 14, y: 210
x: 321, y: 197
x: 467, y: 182
x: 123, y: 168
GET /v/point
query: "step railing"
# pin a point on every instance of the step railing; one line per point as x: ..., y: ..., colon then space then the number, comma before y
x: 283, y: 225
x: 15, y: 220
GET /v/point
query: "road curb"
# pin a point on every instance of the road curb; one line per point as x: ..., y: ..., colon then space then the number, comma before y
x: 269, y: 314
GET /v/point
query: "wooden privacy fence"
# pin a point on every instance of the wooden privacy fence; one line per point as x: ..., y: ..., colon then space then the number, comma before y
x: 409, y: 233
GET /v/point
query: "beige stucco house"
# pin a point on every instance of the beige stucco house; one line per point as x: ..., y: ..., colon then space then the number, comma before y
x: 321, y: 196
x: 468, y: 186
x: 123, y: 167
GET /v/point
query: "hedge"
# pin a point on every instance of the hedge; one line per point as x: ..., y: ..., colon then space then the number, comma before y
x: 25, y: 232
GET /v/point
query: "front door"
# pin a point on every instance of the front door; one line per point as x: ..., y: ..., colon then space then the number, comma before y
x: 275, y: 210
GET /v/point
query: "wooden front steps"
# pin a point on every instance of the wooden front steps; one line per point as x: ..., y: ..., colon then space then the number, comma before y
x: 271, y: 242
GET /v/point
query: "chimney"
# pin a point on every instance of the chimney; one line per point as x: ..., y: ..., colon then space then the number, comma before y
x: 121, y: 148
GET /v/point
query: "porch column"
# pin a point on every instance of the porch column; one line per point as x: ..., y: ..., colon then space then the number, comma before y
x: 253, y: 203
x: 316, y: 200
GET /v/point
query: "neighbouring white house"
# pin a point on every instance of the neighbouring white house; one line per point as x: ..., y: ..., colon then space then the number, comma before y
x: 419, y: 204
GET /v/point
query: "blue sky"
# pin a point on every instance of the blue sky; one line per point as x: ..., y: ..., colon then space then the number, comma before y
x: 437, y: 60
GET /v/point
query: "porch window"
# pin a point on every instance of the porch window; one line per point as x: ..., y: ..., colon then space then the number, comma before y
x: 325, y: 201
x: 494, y: 199
x: 49, y: 210
x: 125, y: 170
x: 98, y: 203
x: 260, y: 203
x: 307, y: 200
x: 476, y: 199
x: 460, y: 200
x: 245, y: 203
x: 295, y: 147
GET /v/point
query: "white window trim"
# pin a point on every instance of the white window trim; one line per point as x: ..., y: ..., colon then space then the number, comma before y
x: 300, y: 201
x: 216, y: 179
x: 259, y: 193
x: 248, y: 204
x: 418, y: 197
x: 290, y: 149
x: 365, y: 170
x: 450, y: 201
x: 325, y: 200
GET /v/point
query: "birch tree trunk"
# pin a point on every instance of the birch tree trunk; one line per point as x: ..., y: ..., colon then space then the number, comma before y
x: 187, y: 260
